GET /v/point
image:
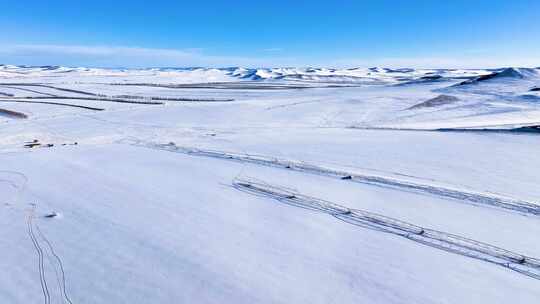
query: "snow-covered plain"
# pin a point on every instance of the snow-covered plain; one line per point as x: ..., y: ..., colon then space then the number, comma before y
x: 121, y: 210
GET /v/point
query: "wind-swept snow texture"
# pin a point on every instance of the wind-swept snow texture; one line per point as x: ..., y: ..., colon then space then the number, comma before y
x: 357, y: 185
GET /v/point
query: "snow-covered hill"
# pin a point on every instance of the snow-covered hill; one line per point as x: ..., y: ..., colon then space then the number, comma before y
x: 352, y: 75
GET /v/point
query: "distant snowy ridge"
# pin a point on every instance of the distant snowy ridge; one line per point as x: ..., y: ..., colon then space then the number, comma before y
x: 505, y: 74
x: 327, y: 75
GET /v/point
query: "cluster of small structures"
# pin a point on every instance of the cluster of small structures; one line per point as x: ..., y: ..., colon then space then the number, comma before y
x: 36, y: 144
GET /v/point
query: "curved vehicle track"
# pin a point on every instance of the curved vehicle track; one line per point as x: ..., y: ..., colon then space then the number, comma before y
x: 39, y: 250
x: 27, y: 90
x: 62, y: 282
x: 19, y: 181
x: 55, y: 103
x: 19, y: 185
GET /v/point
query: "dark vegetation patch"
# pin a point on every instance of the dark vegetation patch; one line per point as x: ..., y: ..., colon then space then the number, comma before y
x: 102, y: 97
x: 431, y: 77
x: 435, y: 102
x: 530, y: 97
x: 527, y: 129
x: 12, y: 114
x: 174, y: 98
x: 243, y: 85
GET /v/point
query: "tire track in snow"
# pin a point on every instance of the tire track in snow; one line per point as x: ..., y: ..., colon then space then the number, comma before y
x: 20, y: 186
x: 53, y: 103
x: 44, y: 85
x: 39, y: 250
x: 433, y: 238
x: 477, y: 198
x: 62, y: 282
x: 28, y: 90
x: 56, y: 261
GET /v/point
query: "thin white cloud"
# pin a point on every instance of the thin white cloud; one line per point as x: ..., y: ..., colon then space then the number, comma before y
x: 119, y: 56
x: 115, y: 56
x: 274, y: 49
x: 464, y: 62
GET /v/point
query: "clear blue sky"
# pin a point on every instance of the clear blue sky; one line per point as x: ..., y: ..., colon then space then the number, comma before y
x: 271, y: 33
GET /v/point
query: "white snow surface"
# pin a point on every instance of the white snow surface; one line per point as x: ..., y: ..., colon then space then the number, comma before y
x: 112, y: 214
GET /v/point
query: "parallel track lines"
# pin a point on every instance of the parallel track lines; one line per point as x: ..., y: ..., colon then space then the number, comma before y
x: 60, y: 265
x: 39, y: 250
x: 522, y: 264
x: 477, y: 198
